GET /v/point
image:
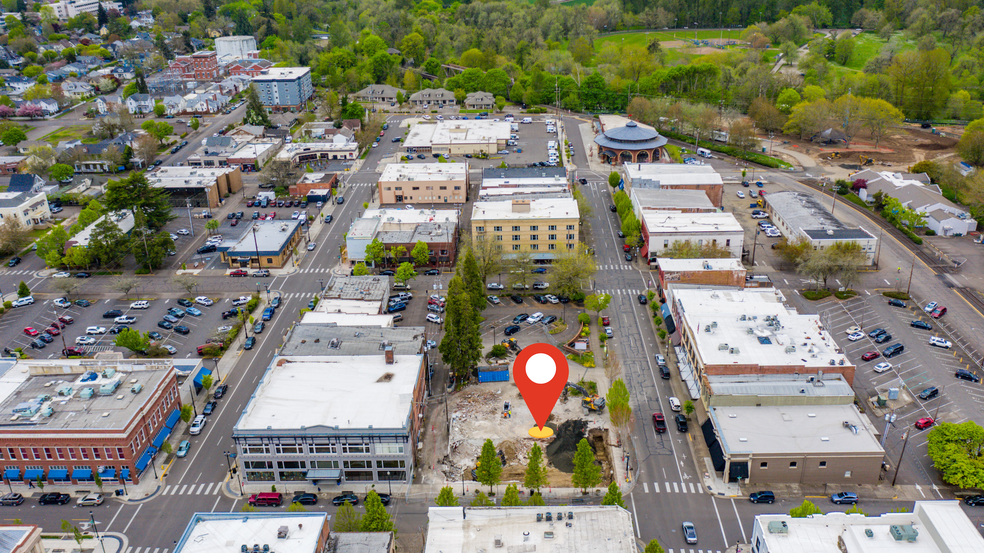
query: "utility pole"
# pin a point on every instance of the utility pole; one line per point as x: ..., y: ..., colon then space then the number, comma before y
x: 754, y: 246
x: 899, y: 464
x: 911, y: 268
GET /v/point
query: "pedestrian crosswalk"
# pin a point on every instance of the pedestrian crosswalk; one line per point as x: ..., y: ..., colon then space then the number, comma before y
x: 19, y: 272
x: 692, y: 550
x: 315, y: 270
x: 671, y: 487
x: 290, y: 295
x: 192, y: 489
x: 615, y: 267
x: 620, y: 291
x: 147, y: 550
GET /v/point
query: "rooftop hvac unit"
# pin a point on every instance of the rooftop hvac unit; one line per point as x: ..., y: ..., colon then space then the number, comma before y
x: 65, y: 391
x: 47, y: 412
x: 723, y: 347
x: 108, y: 373
x: 750, y: 330
x: 86, y: 393
x: 734, y: 351
x: 136, y: 388
x: 743, y: 318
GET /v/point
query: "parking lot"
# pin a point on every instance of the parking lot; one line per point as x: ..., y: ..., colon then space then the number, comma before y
x: 41, y: 314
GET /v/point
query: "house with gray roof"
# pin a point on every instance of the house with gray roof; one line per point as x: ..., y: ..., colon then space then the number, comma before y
x: 140, y: 104
x: 378, y: 93
x: 916, y: 191
x: 434, y: 97
x: 480, y: 100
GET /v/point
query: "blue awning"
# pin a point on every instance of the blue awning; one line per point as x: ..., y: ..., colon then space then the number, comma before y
x: 58, y: 474
x: 161, y: 436
x: 33, y: 474
x: 125, y: 474
x: 82, y: 474
x: 201, y: 374
x: 12, y: 474
x: 144, y: 459
x: 108, y: 473
x: 172, y: 419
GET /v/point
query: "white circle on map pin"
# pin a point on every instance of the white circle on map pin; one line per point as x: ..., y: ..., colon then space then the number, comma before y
x: 541, y: 368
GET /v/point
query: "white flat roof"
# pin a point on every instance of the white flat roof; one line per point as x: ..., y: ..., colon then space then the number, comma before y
x: 227, y: 532
x: 669, y: 264
x: 671, y: 222
x: 253, y: 149
x: 729, y: 341
x: 794, y: 429
x: 943, y: 527
x: 482, y: 131
x: 281, y: 73
x: 652, y: 170
x: 352, y: 392
x: 424, y: 172
x: 393, y: 217
x: 524, y: 183
x: 180, y: 177
x: 599, y: 529
x: 547, y: 208
x: 347, y: 319
x: 124, y: 221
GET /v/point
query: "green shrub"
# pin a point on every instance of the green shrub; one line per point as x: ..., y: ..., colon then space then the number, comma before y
x: 662, y: 334
x: 814, y: 295
x: 8, y: 304
x: 846, y: 294
x: 930, y: 232
x: 583, y: 318
x: 896, y: 295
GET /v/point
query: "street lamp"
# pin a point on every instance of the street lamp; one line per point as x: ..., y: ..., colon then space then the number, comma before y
x: 321, y: 281
x: 257, y: 245
x: 218, y: 377
x: 92, y: 520
x: 389, y: 483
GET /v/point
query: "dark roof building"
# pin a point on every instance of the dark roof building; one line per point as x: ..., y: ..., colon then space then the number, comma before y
x: 629, y: 144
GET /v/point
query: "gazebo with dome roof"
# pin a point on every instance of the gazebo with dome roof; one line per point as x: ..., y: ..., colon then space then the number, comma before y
x: 630, y: 144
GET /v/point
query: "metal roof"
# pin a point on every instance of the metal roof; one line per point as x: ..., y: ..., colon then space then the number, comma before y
x: 631, y: 137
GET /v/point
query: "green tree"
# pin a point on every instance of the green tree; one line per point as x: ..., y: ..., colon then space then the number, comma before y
x: 22, y: 290
x: 207, y: 382
x: 535, y: 500
x: 489, y: 465
x: 614, y: 178
x: 194, y: 124
x: 420, y: 253
x: 375, y: 252
x: 346, y: 519
x: 446, y: 498
x: 473, y: 282
x: 86, y: 217
x: 52, y: 246
x: 461, y: 347
x: 571, y: 268
x: 587, y: 474
x: 511, y: 497
x: 654, y: 547
x: 536, y: 469
x: 296, y: 508
x: 597, y: 302
x: 614, y: 496
x: 133, y: 340
x: 405, y: 272
x: 13, y: 235
x: 186, y: 412
x: 212, y: 225
x: 619, y: 406
x: 957, y: 451
x: 158, y: 129
x: 255, y: 114
x: 97, y: 480
x: 360, y: 269
x: 160, y: 109
x: 13, y: 136
x: 793, y: 253
x: 376, y: 519
x: 804, y: 510
x: 482, y: 500
x: 60, y: 171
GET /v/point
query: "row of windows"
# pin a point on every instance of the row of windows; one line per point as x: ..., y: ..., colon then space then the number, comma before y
x: 299, y: 475
x: 533, y: 237
x: 794, y: 464
x: 425, y: 188
x: 517, y: 228
x: 727, y: 243
x: 50, y: 454
x: 534, y: 247
x: 261, y: 465
x: 322, y: 448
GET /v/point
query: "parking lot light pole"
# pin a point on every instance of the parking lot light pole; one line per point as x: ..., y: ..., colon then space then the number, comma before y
x: 218, y: 377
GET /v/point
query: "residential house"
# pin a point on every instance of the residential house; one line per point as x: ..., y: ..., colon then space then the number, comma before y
x: 173, y: 104
x: 140, y: 104
x: 77, y: 89
x: 248, y: 67
x: 246, y: 133
x: 30, y: 208
x: 432, y: 97
x: 95, y: 158
x: 17, y: 85
x: 90, y: 62
x: 233, y: 85
x: 480, y: 100
x: 205, y: 103
x: 378, y: 93
x: 916, y: 191
x: 107, y: 104
x: 23, y: 182
x: 10, y: 164
x: 48, y: 106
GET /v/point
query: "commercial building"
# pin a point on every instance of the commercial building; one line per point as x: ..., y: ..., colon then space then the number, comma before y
x: 429, y: 183
x: 235, y: 47
x: 247, y: 67
x: 29, y: 208
x: 509, y: 183
x: 625, y: 141
x: 272, y: 532
x: 662, y: 229
x: 264, y: 245
x: 337, y: 404
x: 542, y: 228
x: 670, y: 199
x: 253, y: 156
x: 480, y: 100
x: 931, y: 527
x: 378, y: 94
x: 797, y: 214
x: 577, y: 528
x: 916, y: 191
x: 679, y: 176
x: 404, y: 227
x: 9, y: 165
x: 710, y: 272
x: 75, y: 418
x: 339, y: 147
x: 483, y: 136
x: 354, y: 295
x: 22, y: 538
x: 432, y: 98
x: 200, y: 66
x: 123, y: 220
x: 214, y: 151
x: 311, y: 183
x: 197, y: 186
x: 284, y: 88
x: 67, y: 9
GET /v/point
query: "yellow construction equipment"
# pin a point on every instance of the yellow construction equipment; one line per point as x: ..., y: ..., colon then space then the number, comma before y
x: 835, y: 155
x: 590, y: 402
x: 865, y: 160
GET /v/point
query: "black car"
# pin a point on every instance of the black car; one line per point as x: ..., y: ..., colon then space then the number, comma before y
x: 681, y: 422
x: 517, y: 299
x: 762, y: 497
x: 340, y: 200
x: 82, y: 275
x: 346, y: 497
x: 874, y: 333
x: 37, y: 343
x: 221, y: 390
x: 896, y: 303
x: 929, y: 393
x: 182, y: 329
x: 582, y: 181
x: 46, y: 338
x: 165, y: 325
x: 209, y: 408
x: 962, y: 374
x: 112, y: 314
x: 642, y: 299
x: 185, y: 302
x: 230, y: 313
x: 432, y: 272
x: 539, y: 299
x: 921, y: 324
x: 249, y: 343
x: 305, y: 499
x: 975, y: 500
x: 549, y: 319
x: 612, y: 208
x: 54, y: 498
x: 520, y: 318
x: 155, y: 335
x: 384, y: 498
x: 13, y: 261
x: 882, y: 338
x: 387, y: 272
x: 207, y: 248
x: 893, y: 350
x: 118, y: 328
x: 512, y: 329
x: 564, y: 299
x: 327, y: 219
x: 628, y: 256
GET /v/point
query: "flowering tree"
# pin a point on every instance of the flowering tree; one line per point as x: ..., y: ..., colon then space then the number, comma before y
x: 30, y: 110
x: 6, y: 111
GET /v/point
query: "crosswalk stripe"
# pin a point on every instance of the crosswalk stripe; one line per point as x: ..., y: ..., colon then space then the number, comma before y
x: 676, y: 489
x: 182, y: 490
x: 166, y: 489
x: 656, y: 487
x: 209, y: 488
x: 645, y: 487
x: 692, y: 488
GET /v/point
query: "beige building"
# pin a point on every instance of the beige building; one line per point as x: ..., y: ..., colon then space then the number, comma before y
x: 457, y: 137
x: 199, y: 186
x: 27, y: 207
x: 432, y: 183
x: 543, y: 228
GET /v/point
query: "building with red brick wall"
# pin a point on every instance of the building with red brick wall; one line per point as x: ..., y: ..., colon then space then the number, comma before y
x: 248, y: 67
x: 10, y: 164
x: 73, y: 419
x: 314, y: 181
x: 200, y: 66
x: 709, y: 272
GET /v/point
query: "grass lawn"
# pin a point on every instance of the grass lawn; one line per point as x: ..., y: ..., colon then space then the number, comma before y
x: 76, y: 132
x: 641, y: 38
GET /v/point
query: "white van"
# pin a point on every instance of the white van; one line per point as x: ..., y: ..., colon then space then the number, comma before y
x: 551, y: 129
x: 514, y: 127
x: 552, y: 145
x: 527, y: 120
x: 704, y: 152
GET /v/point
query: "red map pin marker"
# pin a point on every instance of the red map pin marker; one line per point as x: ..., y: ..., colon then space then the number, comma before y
x: 540, y: 371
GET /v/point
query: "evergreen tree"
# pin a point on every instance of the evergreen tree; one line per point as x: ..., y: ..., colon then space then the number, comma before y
x: 208, y: 8
x: 101, y: 17
x: 346, y: 519
x: 511, y: 497
x: 135, y: 193
x: 473, y: 281
x: 22, y: 290
x: 587, y: 474
x: 141, y: 82
x: 376, y: 518
x: 446, y: 498
x: 489, y: 465
x: 482, y: 500
x: 461, y: 347
x: 654, y: 547
x: 535, y: 500
x: 256, y: 114
x: 614, y: 496
x: 161, y: 43
x: 536, y: 469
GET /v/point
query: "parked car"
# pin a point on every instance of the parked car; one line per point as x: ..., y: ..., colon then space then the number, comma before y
x: 869, y: 355
x: 197, y: 425
x: 940, y: 342
x: 929, y: 393
x: 305, y: 499
x: 249, y: 343
x: 883, y: 367
x: 762, y: 497
x: 896, y: 303
x: 90, y: 500
x: 925, y: 422
x: 512, y: 329
x: 209, y: 407
x: 964, y: 374
x: 346, y: 497
x: 183, y: 448
x: 11, y: 499
x: 54, y: 498
x: 681, y: 422
x: 841, y: 498
x: 921, y: 324
x: 938, y: 312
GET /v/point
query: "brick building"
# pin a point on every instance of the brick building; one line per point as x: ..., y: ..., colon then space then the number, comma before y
x: 73, y: 419
x: 314, y: 181
x: 248, y: 67
x: 200, y: 66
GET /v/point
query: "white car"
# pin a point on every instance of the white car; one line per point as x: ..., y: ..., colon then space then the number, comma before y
x: 95, y: 330
x: 930, y: 307
x: 311, y: 246
x: 494, y: 300
x: 427, y: 117
x: 434, y: 318
x: 853, y: 329
x: 125, y: 319
x: 182, y: 232
x: 295, y: 215
x: 223, y: 328
x: 197, y: 425
x: 552, y: 298
x: 62, y: 274
x: 23, y: 301
x: 241, y: 300
x: 495, y: 286
x: 856, y: 336
x: 170, y: 349
x: 90, y: 500
x: 883, y: 366
x: 203, y: 300
x: 940, y: 342
x: 741, y: 194
x: 85, y: 341
x: 535, y: 318
x: 674, y: 403
x: 140, y: 305
x: 63, y: 302
x: 773, y: 233
x: 174, y: 236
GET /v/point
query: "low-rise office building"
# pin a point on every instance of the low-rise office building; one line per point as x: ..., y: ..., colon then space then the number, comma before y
x: 311, y: 182
x: 29, y: 208
x: 432, y: 98
x: 709, y: 272
x: 542, y: 228
x: 662, y: 229
x: 509, y: 183
x: 123, y: 220
x: 341, y: 404
x: 800, y: 215
x: 455, y: 138
x: 430, y: 183
x: 679, y: 176
x: 670, y: 199
x: 277, y: 532
x: 354, y: 295
x: 197, y: 186
x: 378, y: 93
x: 403, y: 227
x: 338, y: 147
x: 253, y: 156
x: 264, y: 245
x: 71, y: 419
